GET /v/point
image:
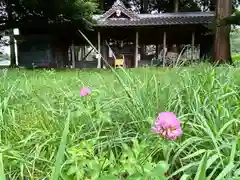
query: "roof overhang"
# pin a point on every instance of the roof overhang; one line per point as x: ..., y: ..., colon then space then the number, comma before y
x: 180, y: 18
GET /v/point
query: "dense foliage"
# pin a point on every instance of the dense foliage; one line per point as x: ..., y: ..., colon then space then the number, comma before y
x: 235, y: 40
x: 144, y: 6
x: 22, y: 12
x: 234, y: 19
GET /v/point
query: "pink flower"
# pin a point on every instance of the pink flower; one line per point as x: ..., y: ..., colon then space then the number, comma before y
x: 167, y: 125
x: 85, y: 91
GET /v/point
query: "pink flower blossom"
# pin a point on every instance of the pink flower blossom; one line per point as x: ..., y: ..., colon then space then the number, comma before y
x: 85, y: 91
x: 167, y: 125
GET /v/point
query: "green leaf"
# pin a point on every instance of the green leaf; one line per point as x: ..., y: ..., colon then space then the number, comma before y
x: 2, y: 175
x: 225, y: 171
x: 136, y: 176
x: 185, y: 177
x: 61, y: 151
x: 160, y: 169
x: 197, y: 153
x: 72, y: 170
x: 108, y: 177
x: 211, y: 160
x: 233, y: 151
x: 184, y: 168
x: 201, y: 172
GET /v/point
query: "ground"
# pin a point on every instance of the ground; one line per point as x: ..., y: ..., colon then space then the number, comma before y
x: 49, y: 130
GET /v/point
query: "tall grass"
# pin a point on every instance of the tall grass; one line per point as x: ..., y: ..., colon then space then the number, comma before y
x: 109, y: 133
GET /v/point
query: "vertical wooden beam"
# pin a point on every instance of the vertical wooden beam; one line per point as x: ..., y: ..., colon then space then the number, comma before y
x: 99, y: 50
x: 12, y: 49
x: 105, y: 55
x: 157, y: 50
x: 136, y: 50
x: 73, y: 56
x: 164, y: 47
x: 192, y: 44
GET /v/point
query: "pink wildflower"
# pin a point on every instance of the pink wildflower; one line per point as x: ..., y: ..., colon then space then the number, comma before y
x: 85, y: 91
x: 167, y: 125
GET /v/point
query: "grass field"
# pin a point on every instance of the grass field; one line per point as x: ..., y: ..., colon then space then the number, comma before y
x: 236, y: 58
x: 48, y: 131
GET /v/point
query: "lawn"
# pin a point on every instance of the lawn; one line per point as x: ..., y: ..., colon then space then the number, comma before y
x: 49, y: 131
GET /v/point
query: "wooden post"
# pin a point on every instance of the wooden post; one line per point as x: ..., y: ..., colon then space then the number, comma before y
x: 12, y: 49
x: 136, y: 50
x: 164, y: 47
x: 157, y: 50
x: 73, y: 56
x: 99, y: 50
x: 192, y: 44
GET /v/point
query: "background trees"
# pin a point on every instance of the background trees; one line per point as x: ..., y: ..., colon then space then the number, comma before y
x: 61, y: 13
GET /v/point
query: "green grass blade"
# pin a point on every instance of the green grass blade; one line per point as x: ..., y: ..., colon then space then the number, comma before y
x: 2, y: 175
x: 233, y: 151
x: 201, y: 172
x: 185, y: 177
x: 225, y: 171
x: 61, y: 151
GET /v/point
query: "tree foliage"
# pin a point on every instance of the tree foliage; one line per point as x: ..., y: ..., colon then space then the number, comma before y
x: 45, y: 12
x: 146, y: 6
x: 235, y: 40
x: 234, y: 19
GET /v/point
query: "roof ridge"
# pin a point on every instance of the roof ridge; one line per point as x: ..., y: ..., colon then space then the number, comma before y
x: 119, y: 5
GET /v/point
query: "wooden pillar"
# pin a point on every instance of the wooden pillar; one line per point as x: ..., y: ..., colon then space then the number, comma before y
x: 192, y: 45
x: 157, y: 50
x: 136, y: 50
x: 99, y: 51
x: 73, y: 56
x: 12, y: 49
x: 105, y: 56
x: 164, y: 47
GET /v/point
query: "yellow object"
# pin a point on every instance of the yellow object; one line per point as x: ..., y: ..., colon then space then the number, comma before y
x: 119, y: 62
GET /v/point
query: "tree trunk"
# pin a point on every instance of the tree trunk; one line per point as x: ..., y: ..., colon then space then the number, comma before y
x: 222, y: 52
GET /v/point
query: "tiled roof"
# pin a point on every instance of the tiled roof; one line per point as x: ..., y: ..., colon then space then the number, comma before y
x: 132, y: 19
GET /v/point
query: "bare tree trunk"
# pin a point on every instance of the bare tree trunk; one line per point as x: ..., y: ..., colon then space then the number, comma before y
x: 222, y: 52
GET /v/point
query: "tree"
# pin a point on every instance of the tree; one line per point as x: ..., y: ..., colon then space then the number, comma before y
x: 222, y: 52
x: 146, y: 6
x: 58, y: 17
x: 20, y: 12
